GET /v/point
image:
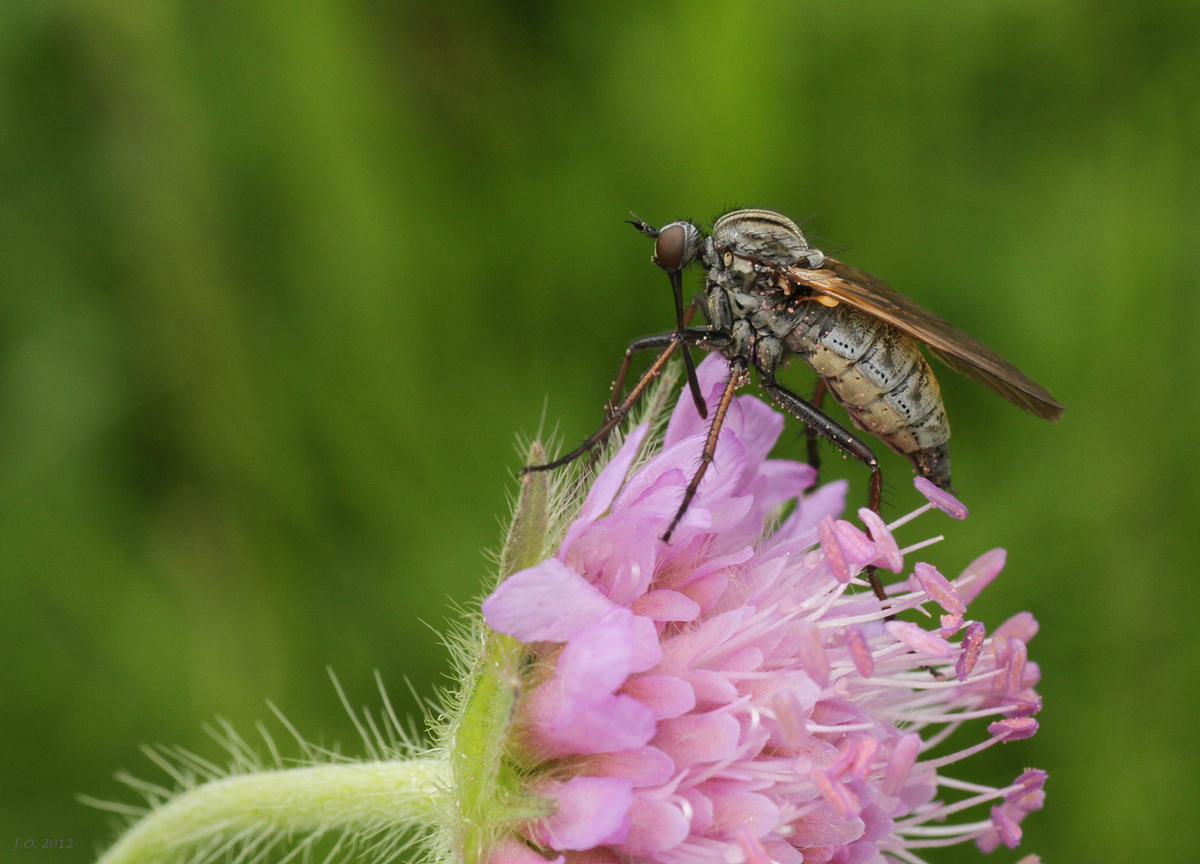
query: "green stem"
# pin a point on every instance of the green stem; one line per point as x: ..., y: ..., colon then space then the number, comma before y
x: 353, y: 796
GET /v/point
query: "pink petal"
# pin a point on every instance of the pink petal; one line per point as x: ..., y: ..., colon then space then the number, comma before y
x: 682, y: 651
x: 777, y: 481
x: 733, y: 809
x: 609, y: 725
x: 617, y: 555
x: 546, y: 603
x: 647, y: 650
x: 597, y: 660
x: 697, y: 738
x: 718, y: 564
x: 860, y: 852
x: 835, y: 712
x: 827, y: 500
x: 783, y: 852
x: 642, y: 766
x: 656, y: 826
x: 878, y: 824
x: 665, y: 695
x: 608, y: 482
x: 921, y: 787
x: 702, y: 810
x: 657, y: 493
x: 745, y: 659
x: 680, y: 461
x: 752, y: 848
x: 707, y: 591
x: 666, y: 605
x: 821, y: 825
x: 761, y: 582
x: 858, y: 547
x: 685, y: 421
x: 711, y: 688
x: 761, y: 427
x: 901, y: 762
x: 591, y: 811
x: 811, y: 652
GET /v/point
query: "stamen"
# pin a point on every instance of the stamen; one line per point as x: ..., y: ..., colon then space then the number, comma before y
x: 908, y: 550
x: 904, y: 520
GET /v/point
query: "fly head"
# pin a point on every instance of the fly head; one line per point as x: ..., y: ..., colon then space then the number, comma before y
x: 676, y: 246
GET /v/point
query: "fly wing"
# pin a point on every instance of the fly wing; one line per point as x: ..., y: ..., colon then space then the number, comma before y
x: 958, y: 350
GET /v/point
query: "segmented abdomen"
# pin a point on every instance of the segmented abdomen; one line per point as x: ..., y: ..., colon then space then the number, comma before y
x: 882, y: 378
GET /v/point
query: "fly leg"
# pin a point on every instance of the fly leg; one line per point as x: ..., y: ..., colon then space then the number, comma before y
x: 737, y: 377
x: 657, y: 341
x: 821, y: 424
x: 814, y: 437
x: 617, y: 413
x: 670, y: 343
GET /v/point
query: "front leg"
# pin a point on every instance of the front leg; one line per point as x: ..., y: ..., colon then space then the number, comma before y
x: 701, y: 337
x: 656, y: 341
x: 670, y: 343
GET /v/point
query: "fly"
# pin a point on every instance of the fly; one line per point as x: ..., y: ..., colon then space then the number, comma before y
x: 769, y: 294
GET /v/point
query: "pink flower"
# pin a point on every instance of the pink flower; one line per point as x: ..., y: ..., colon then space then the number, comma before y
x: 737, y: 696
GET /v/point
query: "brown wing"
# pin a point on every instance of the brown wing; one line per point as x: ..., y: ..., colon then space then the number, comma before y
x: 958, y: 350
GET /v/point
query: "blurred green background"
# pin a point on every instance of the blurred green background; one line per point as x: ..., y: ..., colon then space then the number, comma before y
x: 280, y: 282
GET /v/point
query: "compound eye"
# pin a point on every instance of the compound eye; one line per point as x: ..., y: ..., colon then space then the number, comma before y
x: 668, y: 248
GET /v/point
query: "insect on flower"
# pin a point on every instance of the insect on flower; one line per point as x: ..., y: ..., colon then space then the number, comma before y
x: 769, y: 294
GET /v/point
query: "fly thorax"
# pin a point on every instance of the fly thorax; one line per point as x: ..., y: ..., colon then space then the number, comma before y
x: 761, y: 234
x: 732, y: 273
x: 744, y: 305
x: 749, y: 292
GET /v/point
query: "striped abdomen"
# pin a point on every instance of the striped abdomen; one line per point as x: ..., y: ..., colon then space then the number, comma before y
x: 882, y: 378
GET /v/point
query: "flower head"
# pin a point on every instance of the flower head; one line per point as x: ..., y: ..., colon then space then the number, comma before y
x: 735, y: 696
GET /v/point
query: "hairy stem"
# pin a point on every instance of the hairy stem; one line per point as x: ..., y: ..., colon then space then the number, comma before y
x: 363, y: 797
